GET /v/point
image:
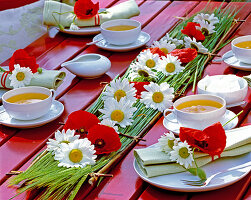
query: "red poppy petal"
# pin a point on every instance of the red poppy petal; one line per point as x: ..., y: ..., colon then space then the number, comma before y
x: 105, y: 134
x: 184, y: 55
x: 139, y: 86
x: 81, y: 120
x: 191, y: 31
x: 85, y: 9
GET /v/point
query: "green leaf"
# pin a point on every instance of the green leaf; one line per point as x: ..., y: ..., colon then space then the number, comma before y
x: 201, y: 174
x: 193, y: 171
x: 60, y: 27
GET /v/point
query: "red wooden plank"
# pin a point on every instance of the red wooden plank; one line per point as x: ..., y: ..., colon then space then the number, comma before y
x: 248, y: 194
x: 87, y: 89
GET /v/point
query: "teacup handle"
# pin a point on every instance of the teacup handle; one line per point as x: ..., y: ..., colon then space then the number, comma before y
x: 173, y: 120
x: 53, y: 94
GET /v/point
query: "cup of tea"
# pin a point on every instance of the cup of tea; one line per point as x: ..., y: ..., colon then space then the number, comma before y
x: 28, y: 103
x: 121, y: 31
x: 241, y: 48
x: 197, y: 111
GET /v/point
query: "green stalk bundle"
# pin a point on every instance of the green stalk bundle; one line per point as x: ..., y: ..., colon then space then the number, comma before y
x: 60, y: 182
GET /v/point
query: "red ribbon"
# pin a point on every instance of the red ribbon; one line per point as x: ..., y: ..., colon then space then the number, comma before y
x: 97, y: 20
x: 3, y: 78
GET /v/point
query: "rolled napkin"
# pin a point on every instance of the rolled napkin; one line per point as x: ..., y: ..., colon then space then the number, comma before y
x: 51, y: 79
x: 123, y: 10
x: 154, y: 162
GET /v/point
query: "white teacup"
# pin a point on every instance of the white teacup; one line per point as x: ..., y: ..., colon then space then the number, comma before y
x: 241, y: 54
x: 32, y: 110
x: 197, y: 120
x: 121, y: 37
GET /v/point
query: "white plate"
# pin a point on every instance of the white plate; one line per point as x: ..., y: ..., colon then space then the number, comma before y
x: 173, y: 181
x: 92, y: 30
x: 142, y: 40
x: 55, y: 111
x: 175, y: 127
x: 230, y: 59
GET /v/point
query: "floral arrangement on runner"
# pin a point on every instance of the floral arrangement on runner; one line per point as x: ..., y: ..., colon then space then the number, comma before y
x: 92, y: 141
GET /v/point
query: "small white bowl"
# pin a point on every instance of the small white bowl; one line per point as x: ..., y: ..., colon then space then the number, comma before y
x: 231, y: 97
x: 88, y: 66
x: 121, y: 37
x: 244, y: 55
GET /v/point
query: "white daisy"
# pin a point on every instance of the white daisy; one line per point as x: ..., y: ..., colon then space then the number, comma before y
x: 170, y: 65
x: 138, y: 70
x: 182, y: 154
x: 110, y: 123
x: 120, y: 112
x: 74, y: 27
x: 120, y: 88
x: 61, y: 137
x: 175, y: 41
x: 148, y: 59
x: 206, y: 28
x: 77, y: 154
x: 211, y: 19
x: 192, y: 43
x: 21, y: 76
x: 164, y: 46
x: 157, y: 96
x: 167, y: 142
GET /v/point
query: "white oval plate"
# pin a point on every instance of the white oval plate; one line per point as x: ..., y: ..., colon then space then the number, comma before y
x: 141, y: 41
x: 174, y: 126
x: 92, y: 30
x: 173, y: 181
x: 230, y: 59
x: 55, y: 111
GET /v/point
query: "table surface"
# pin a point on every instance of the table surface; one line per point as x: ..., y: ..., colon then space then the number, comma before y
x: 19, y: 147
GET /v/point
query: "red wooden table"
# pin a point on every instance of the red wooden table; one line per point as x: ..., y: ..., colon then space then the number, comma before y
x: 18, y: 147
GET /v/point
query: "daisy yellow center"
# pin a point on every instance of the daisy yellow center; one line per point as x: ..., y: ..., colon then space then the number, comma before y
x: 183, y: 152
x: 20, y: 76
x: 150, y: 63
x: 158, y: 97
x: 75, y: 155
x: 193, y: 46
x: 171, y: 143
x: 206, y: 20
x: 165, y: 51
x: 205, y: 31
x: 170, y: 67
x: 117, y: 115
x: 119, y: 94
x: 65, y: 141
x: 143, y: 73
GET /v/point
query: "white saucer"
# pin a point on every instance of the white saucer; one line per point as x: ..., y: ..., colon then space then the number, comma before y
x: 230, y: 59
x: 142, y: 40
x: 82, y: 31
x: 55, y: 111
x: 175, y: 127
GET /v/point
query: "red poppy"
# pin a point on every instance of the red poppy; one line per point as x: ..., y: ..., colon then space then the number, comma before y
x: 85, y: 9
x: 184, y: 55
x: 81, y: 121
x: 104, y: 138
x: 212, y: 140
x: 139, y: 86
x: 191, y: 31
x: 156, y: 50
x: 22, y: 58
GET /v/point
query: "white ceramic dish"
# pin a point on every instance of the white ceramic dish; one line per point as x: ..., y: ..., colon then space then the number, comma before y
x: 121, y: 37
x: 173, y: 181
x: 82, y: 31
x: 141, y: 41
x: 232, y: 98
x: 241, y: 54
x: 231, y: 60
x: 174, y: 126
x: 2, y: 91
x: 88, y: 66
x: 55, y: 111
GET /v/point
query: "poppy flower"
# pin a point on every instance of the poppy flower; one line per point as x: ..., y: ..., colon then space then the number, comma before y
x: 104, y: 138
x: 85, y: 9
x: 81, y: 121
x: 191, y: 31
x: 211, y: 140
x: 156, y: 50
x: 139, y: 86
x: 22, y: 58
x: 185, y: 55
